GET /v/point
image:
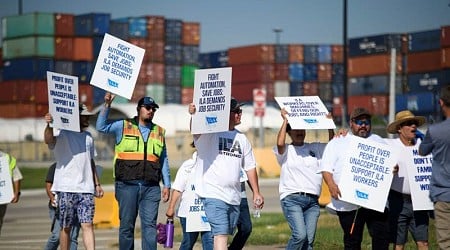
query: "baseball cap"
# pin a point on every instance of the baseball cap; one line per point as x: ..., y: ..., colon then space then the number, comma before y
x: 234, y: 104
x: 357, y: 112
x: 147, y: 101
x: 84, y: 110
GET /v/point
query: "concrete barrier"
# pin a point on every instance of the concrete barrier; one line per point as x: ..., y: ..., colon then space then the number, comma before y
x: 106, y: 211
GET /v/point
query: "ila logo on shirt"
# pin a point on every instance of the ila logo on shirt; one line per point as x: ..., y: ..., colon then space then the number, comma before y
x: 229, y: 147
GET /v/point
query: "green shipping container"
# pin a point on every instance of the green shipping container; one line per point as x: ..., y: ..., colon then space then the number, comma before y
x: 188, y: 75
x: 29, y: 47
x: 155, y: 91
x: 33, y: 24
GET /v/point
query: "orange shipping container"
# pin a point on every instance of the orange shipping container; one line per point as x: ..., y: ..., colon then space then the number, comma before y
x: 372, y: 65
x: 255, y: 54
x: 424, y: 61
x: 445, y: 61
x: 155, y: 28
x: 64, y: 24
x: 310, y: 88
x: 295, y: 53
x: 445, y: 36
x: 377, y: 105
x: 63, y: 48
x: 243, y: 92
x: 154, y: 51
x: 186, y: 95
x: 191, y: 33
x: 23, y: 110
x: 253, y: 73
x: 82, y: 49
x: 281, y: 71
x: 324, y: 72
x: 337, y: 54
x: 151, y: 73
x: 9, y: 91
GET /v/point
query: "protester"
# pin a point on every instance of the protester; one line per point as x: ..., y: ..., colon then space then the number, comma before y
x: 75, y: 179
x: 437, y: 142
x: 16, y: 175
x: 402, y: 217
x: 53, y: 239
x: 183, y: 186
x: 221, y: 156
x: 244, y: 224
x: 140, y: 161
x: 300, y: 183
x: 351, y: 217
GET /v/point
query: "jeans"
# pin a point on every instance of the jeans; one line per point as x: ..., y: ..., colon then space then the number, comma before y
x: 244, y: 227
x: 302, y: 213
x: 136, y: 197
x: 377, y: 223
x: 190, y: 238
x: 53, y: 240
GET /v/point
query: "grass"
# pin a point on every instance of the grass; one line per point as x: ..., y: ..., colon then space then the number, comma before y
x: 270, y: 229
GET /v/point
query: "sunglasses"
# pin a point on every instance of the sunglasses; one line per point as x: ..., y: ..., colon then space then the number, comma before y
x: 147, y: 107
x: 237, y: 111
x: 409, y: 123
x: 362, y: 122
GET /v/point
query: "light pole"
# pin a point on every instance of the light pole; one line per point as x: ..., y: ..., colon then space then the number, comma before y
x: 277, y: 35
x: 345, y: 59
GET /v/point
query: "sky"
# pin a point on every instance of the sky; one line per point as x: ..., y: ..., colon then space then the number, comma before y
x: 234, y: 23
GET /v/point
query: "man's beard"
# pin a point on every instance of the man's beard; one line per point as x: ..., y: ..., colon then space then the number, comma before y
x: 147, y: 120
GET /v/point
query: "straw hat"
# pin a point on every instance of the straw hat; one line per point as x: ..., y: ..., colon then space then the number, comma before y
x: 402, y: 117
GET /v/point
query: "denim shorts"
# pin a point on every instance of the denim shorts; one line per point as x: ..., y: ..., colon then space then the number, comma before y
x: 75, y: 207
x: 222, y: 216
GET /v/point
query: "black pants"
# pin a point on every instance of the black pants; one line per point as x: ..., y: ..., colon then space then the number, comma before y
x: 377, y: 223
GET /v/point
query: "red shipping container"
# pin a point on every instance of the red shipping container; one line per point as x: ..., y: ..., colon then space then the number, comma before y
x: 254, y: 54
x: 154, y: 51
x: 86, y: 95
x: 243, y: 92
x: 310, y: 88
x: 281, y: 71
x: 140, y: 42
x: 445, y: 58
x: 9, y: 91
x: 82, y: 49
x: 377, y: 104
x: 296, y: 53
x: 23, y: 110
x: 151, y: 73
x: 186, y: 95
x: 253, y: 73
x: 337, y: 54
x: 155, y: 28
x: 324, y: 72
x: 445, y: 36
x: 64, y: 24
x: 29, y: 91
x: 380, y: 105
x: 372, y: 65
x: 139, y: 92
x: 63, y: 48
x: 191, y: 33
x: 424, y: 61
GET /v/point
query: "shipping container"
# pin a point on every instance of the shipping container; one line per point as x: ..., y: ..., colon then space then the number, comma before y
x: 32, y: 24
x: 190, y: 33
x: 119, y: 29
x: 296, y: 72
x: 172, y: 94
x: 311, y: 88
x: 86, y: 95
x: 154, y: 51
x: 423, y: 103
x: 64, y: 67
x: 373, y: 85
x: 337, y: 54
x: 445, y: 36
x: 92, y: 24
x: 138, y: 92
x: 281, y: 88
x: 83, y: 70
x: 172, y: 75
x: 428, y: 81
x: 424, y: 40
x: 244, y: 91
x: 310, y: 54
x: 424, y: 61
x: 173, y: 31
x: 137, y: 27
x: 190, y: 54
x: 173, y: 54
x: 151, y: 73
x: 310, y: 72
x: 9, y: 91
x: 296, y: 88
x: 188, y: 76
x: 281, y: 53
x: 186, y: 95
x: 337, y: 89
x: 27, y: 68
x: 156, y: 91
x: 372, y: 65
x: 324, y: 54
x: 338, y: 73
x: 64, y: 24
x: 325, y: 92
x: 253, y: 73
x: 295, y: 53
x: 23, y: 110
x: 376, y: 104
x: 445, y: 58
x: 253, y: 54
x: 63, y: 48
x: 155, y: 28
x: 324, y: 72
x: 217, y: 59
x: 32, y: 46
x: 371, y: 45
x: 83, y: 49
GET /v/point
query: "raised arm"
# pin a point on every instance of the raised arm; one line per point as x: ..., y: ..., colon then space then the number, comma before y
x: 281, y: 137
x: 49, y: 138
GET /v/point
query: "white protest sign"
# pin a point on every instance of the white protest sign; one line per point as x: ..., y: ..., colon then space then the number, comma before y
x: 196, y: 220
x: 117, y: 66
x: 306, y: 112
x: 63, y: 102
x: 212, y: 95
x: 367, y: 173
x: 419, y: 179
x: 6, y: 186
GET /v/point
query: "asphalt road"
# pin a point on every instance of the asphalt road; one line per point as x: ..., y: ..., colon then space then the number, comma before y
x: 27, y: 225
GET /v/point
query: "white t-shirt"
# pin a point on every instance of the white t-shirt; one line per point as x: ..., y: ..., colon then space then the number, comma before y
x: 221, y: 157
x: 184, y: 183
x: 331, y: 162
x: 73, y: 152
x: 300, y: 169
x: 400, y: 182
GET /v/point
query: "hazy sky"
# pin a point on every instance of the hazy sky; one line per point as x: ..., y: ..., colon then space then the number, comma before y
x: 231, y: 23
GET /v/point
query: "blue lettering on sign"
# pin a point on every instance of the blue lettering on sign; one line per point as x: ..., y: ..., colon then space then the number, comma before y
x: 204, y: 218
x: 362, y: 195
x: 113, y: 83
x: 211, y: 119
x: 64, y: 120
x: 310, y: 120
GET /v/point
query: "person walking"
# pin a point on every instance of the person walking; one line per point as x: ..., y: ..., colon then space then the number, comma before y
x: 53, y: 239
x: 244, y: 225
x: 221, y: 156
x: 300, y: 183
x: 437, y: 142
x: 351, y: 217
x: 402, y: 217
x: 9, y: 162
x: 75, y: 179
x: 184, y: 187
x: 140, y: 162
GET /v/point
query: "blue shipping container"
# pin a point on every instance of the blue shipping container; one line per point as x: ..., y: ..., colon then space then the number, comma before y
x: 83, y: 70
x: 64, y: 67
x: 173, y: 54
x: 379, y: 44
x: 281, y: 53
x: 27, y: 68
x: 172, y: 75
x: 419, y: 103
x: 174, y: 30
x: 92, y: 24
x: 137, y: 27
x: 172, y: 94
x: 119, y: 29
x: 217, y: 59
x: 324, y: 53
x: 378, y: 85
x: 310, y: 54
x: 190, y: 54
x: 337, y: 76
x: 310, y: 72
x: 296, y: 72
x: 430, y: 81
x: 296, y: 88
x: 424, y: 40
